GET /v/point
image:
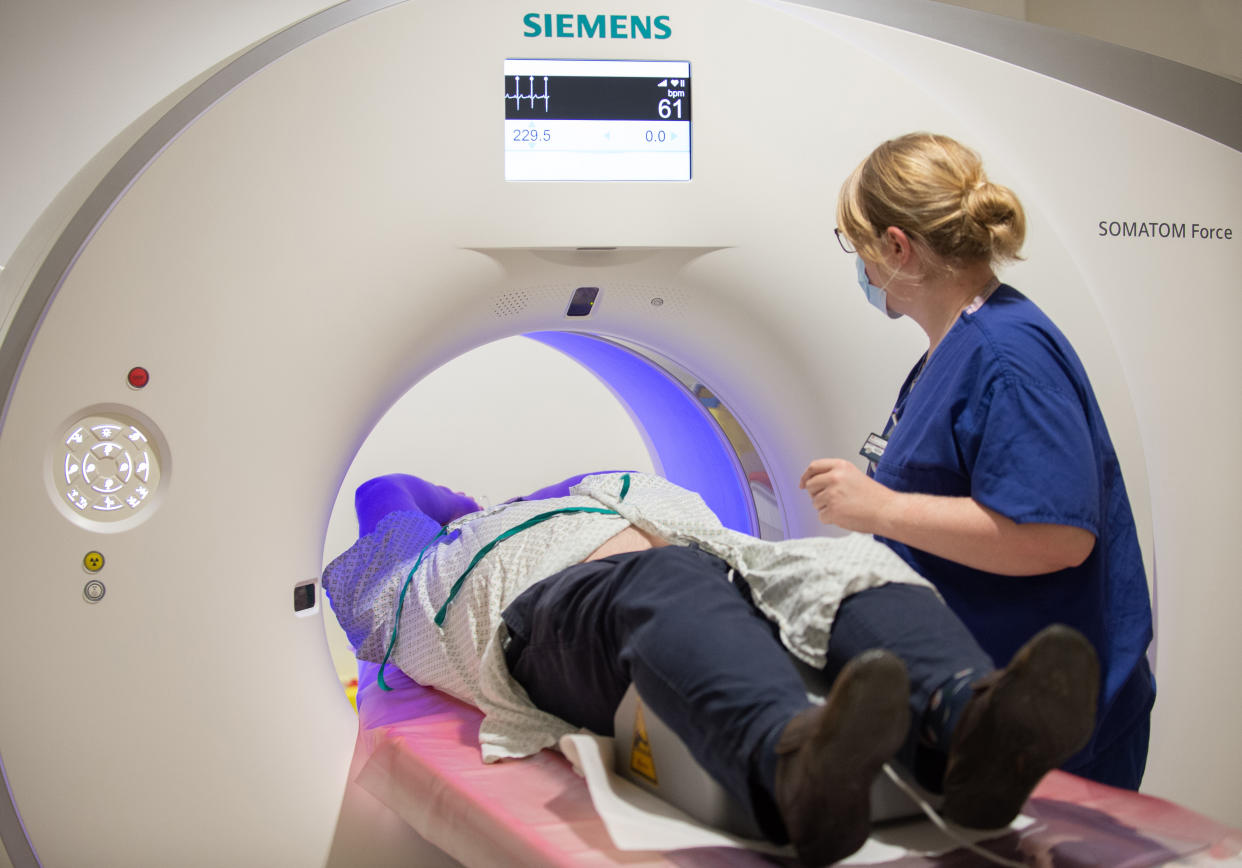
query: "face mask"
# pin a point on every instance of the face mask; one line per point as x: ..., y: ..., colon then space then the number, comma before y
x: 875, y: 295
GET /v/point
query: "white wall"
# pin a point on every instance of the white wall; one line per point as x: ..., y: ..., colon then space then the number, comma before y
x: 1010, y: 8
x: 1205, y: 34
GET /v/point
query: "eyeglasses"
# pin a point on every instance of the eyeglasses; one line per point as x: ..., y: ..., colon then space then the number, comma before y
x: 843, y: 241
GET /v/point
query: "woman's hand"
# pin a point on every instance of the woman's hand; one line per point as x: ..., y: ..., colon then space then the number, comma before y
x: 845, y: 496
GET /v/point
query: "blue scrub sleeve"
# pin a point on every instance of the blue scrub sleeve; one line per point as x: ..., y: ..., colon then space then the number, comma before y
x: 1030, y: 455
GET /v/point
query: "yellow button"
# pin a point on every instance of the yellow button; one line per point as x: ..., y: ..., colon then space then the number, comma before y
x: 93, y: 562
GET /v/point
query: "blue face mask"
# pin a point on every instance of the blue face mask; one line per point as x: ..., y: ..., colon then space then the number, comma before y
x: 875, y: 295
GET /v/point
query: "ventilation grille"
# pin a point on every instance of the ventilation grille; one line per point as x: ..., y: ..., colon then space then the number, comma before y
x: 511, y: 304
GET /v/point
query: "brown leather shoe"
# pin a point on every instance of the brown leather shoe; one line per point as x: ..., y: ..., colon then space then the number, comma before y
x: 1022, y: 722
x: 829, y: 756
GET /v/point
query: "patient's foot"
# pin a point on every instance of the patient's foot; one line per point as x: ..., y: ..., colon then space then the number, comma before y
x: 1022, y: 722
x: 829, y: 756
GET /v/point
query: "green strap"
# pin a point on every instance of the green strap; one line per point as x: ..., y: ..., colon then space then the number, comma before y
x: 396, y: 624
x: 482, y: 553
x: 526, y: 525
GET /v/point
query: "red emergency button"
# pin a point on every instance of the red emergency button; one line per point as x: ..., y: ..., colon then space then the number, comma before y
x: 138, y: 378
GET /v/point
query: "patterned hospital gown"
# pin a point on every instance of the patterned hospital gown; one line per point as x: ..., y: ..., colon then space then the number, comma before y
x: 797, y: 583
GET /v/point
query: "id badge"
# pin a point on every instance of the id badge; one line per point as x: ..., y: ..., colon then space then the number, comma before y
x: 873, y: 447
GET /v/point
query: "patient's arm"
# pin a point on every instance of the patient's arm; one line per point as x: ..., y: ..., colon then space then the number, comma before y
x: 560, y: 489
x: 401, y: 492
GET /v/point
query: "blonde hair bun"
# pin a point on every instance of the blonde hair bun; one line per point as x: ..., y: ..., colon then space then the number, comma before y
x: 934, y: 188
x: 998, y: 214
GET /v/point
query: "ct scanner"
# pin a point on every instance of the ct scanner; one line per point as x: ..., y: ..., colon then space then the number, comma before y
x: 286, y: 247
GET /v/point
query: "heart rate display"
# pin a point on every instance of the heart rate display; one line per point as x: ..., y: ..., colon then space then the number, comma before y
x: 597, y: 120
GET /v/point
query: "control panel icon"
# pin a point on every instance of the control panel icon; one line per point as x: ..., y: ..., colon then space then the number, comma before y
x: 106, y: 469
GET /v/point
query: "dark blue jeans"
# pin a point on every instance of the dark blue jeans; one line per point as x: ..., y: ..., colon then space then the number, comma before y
x: 705, y: 660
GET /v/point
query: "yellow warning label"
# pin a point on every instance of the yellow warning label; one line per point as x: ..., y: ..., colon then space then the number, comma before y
x: 642, y: 763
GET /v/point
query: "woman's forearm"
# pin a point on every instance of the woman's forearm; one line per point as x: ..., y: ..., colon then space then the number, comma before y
x: 963, y: 530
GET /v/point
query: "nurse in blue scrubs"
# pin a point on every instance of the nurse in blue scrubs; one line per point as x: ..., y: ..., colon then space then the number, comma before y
x: 994, y: 475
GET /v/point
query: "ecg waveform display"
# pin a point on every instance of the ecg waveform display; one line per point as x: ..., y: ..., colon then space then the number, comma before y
x: 597, y: 120
x: 582, y: 98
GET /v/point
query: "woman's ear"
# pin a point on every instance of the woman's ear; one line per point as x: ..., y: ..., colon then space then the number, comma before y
x: 899, y: 245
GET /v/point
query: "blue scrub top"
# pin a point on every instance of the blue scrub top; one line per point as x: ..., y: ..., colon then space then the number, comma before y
x: 1003, y: 412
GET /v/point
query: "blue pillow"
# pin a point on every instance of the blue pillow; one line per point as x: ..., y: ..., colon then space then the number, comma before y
x: 401, y: 492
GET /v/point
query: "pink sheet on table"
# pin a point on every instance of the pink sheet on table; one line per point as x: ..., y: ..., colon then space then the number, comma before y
x: 425, y: 765
x: 1135, y: 823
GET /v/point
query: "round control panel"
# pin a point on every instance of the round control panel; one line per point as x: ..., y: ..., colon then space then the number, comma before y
x: 106, y: 470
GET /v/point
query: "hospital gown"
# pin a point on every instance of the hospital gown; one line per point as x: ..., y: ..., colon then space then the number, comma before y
x: 797, y: 583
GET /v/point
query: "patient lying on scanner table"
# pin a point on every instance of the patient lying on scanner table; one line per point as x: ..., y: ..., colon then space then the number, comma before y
x: 543, y: 610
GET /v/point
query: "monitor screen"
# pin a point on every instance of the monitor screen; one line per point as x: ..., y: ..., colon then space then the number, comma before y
x: 597, y: 120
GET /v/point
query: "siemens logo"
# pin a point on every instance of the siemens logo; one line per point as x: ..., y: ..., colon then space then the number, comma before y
x: 568, y: 26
